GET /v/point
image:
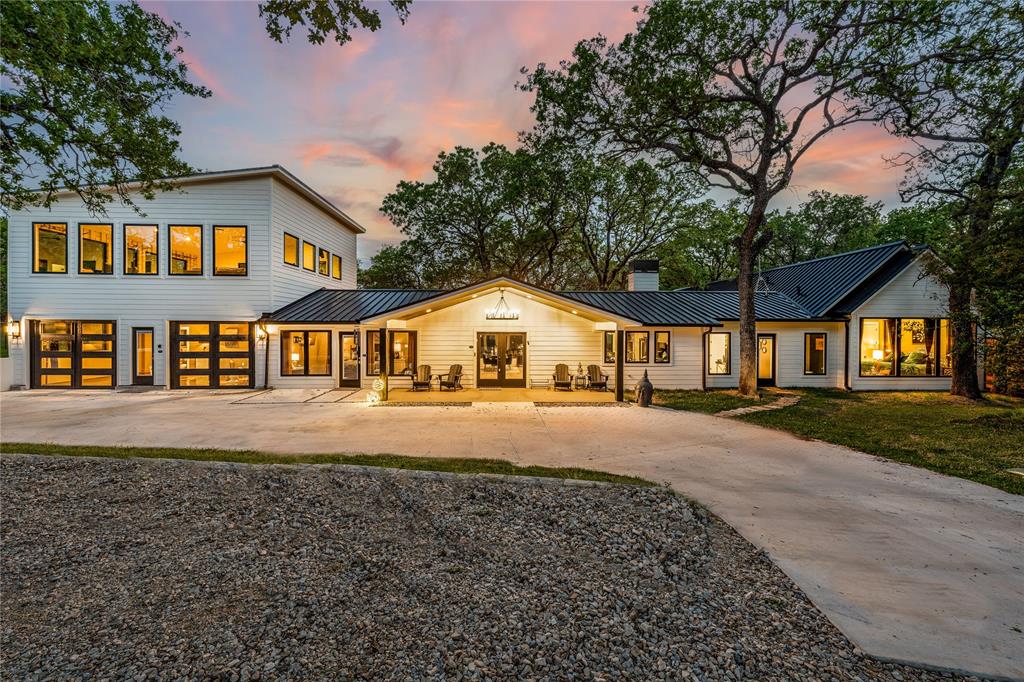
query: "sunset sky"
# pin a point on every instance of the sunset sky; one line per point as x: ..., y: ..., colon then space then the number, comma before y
x: 352, y: 121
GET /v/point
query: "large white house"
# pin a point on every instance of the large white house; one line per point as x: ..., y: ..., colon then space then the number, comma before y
x: 245, y: 279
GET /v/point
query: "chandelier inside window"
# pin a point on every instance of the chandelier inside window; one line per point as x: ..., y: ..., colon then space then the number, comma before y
x: 501, y: 311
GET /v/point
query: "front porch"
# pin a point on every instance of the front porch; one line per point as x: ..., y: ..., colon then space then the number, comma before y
x: 500, y: 395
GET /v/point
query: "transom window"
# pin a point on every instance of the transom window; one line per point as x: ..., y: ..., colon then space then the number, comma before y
x: 230, y: 250
x: 905, y: 347
x: 637, y: 346
x: 95, y: 249
x: 324, y: 263
x: 186, y: 249
x: 662, y: 347
x: 336, y: 266
x: 308, y: 256
x: 140, y: 250
x: 50, y: 247
x: 815, y: 345
x: 306, y: 353
x: 719, y: 353
x: 291, y: 249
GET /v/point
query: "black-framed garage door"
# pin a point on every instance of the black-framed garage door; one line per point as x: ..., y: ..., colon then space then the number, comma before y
x: 73, y: 353
x: 212, y: 354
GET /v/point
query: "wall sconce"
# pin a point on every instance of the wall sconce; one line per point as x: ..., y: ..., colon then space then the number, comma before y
x: 261, y: 331
x: 14, y: 328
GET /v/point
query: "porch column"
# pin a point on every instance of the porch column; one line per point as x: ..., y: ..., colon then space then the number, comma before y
x: 384, y: 361
x: 620, y: 374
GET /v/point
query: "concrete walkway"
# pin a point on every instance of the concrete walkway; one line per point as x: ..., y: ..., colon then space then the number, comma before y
x: 910, y: 565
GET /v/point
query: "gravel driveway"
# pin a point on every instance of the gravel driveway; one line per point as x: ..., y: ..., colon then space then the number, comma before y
x: 163, y: 569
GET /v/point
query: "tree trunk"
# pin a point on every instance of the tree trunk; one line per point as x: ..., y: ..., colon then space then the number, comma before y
x: 964, y: 348
x: 747, y: 252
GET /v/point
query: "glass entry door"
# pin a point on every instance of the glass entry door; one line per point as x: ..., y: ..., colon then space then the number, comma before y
x: 349, y: 359
x: 501, y: 359
x: 766, y: 359
x: 142, y: 356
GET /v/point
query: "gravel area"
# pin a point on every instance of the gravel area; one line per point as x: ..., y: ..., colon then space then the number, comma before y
x: 148, y: 569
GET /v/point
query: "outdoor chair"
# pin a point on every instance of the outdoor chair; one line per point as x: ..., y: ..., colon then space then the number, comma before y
x: 453, y: 380
x: 422, y: 378
x: 562, y: 378
x: 596, y: 379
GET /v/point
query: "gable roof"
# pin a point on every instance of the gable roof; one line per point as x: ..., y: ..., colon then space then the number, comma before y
x: 818, y: 285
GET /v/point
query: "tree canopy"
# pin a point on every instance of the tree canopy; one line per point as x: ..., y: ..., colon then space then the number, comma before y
x: 325, y: 18
x: 84, y: 85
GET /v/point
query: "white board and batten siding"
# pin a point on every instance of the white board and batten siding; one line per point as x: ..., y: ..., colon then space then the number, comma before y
x: 155, y: 300
x: 292, y: 213
x: 912, y: 293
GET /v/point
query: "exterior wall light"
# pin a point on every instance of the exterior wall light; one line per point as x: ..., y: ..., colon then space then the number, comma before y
x: 261, y: 331
x: 14, y: 328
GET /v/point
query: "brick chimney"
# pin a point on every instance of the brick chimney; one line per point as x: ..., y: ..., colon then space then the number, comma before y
x: 643, y: 275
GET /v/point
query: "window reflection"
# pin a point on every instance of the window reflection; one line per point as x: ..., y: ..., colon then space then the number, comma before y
x: 230, y: 252
x: 95, y: 249
x: 140, y: 249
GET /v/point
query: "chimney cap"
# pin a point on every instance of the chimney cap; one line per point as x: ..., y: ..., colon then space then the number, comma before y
x: 649, y: 265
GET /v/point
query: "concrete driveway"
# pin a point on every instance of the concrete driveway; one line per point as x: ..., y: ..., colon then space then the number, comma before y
x: 910, y: 565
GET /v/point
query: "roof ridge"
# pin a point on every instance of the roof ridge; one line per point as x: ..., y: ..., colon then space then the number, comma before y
x: 834, y: 255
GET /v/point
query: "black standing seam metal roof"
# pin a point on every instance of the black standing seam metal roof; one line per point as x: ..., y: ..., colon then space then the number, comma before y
x: 818, y: 285
x: 347, y: 306
x: 688, y: 308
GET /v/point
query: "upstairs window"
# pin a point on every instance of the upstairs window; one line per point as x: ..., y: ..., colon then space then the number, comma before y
x: 50, y: 247
x: 140, y: 250
x: 719, y: 353
x: 324, y: 263
x: 186, y: 249
x: 95, y: 249
x: 815, y: 346
x: 230, y: 250
x: 291, y: 250
x: 637, y: 347
x: 308, y: 257
x: 336, y: 266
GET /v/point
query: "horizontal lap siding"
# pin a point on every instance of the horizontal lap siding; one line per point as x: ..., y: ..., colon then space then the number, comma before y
x: 681, y: 372
x: 909, y: 294
x: 145, y: 300
x: 291, y: 213
x: 789, y: 354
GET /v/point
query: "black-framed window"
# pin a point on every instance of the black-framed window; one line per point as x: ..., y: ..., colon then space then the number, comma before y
x: 401, y: 352
x: 230, y: 250
x: 372, y: 353
x: 905, y: 347
x: 608, y: 346
x: 212, y: 354
x: 323, y: 262
x: 50, y: 248
x: 141, y: 250
x: 308, y: 257
x: 185, y: 250
x: 662, y: 348
x: 815, y: 353
x: 638, y: 347
x: 719, y: 353
x: 306, y: 353
x: 290, y: 250
x: 95, y: 248
x: 336, y: 266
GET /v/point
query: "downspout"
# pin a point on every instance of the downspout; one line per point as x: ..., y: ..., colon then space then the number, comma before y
x: 846, y: 354
x: 704, y: 359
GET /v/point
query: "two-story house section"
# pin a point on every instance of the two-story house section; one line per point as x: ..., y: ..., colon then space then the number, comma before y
x: 171, y: 297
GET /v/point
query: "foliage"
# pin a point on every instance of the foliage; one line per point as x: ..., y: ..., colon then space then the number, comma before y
x: 976, y: 440
x: 395, y: 266
x: 3, y: 287
x: 322, y: 18
x: 824, y: 224
x: 84, y: 83
x: 703, y: 249
x: 735, y: 90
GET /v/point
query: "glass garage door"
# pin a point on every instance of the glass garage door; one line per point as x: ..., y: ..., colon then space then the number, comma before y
x: 73, y: 354
x: 212, y: 355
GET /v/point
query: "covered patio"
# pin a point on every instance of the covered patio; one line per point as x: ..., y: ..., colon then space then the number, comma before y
x: 500, y: 395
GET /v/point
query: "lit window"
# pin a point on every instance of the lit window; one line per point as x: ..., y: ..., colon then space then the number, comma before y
x: 324, y: 263
x: 306, y: 353
x: 291, y: 249
x: 336, y: 266
x: 719, y: 354
x: 308, y: 256
x: 877, y: 344
x: 186, y: 249
x: 230, y: 251
x: 402, y: 346
x: 140, y: 250
x: 372, y: 353
x: 95, y: 249
x: 609, y: 348
x: 49, y: 247
x: 662, y: 347
x: 637, y: 346
x: 814, y: 353
x: 917, y: 344
x: 945, y: 350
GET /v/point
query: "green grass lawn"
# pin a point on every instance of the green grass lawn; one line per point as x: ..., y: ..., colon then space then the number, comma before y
x: 708, y: 402
x: 454, y: 465
x: 973, y: 440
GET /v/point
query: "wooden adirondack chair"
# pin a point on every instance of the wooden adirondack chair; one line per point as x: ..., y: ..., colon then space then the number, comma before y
x: 421, y: 378
x: 562, y: 378
x: 596, y: 379
x: 453, y: 380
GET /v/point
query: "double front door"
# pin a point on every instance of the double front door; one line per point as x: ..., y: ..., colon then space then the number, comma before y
x: 501, y: 359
